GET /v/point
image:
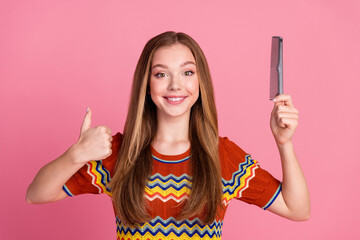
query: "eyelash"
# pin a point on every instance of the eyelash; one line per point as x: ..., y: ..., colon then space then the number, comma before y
x: 161, y: 74
x: 158, y: 75
x: 191, y: 73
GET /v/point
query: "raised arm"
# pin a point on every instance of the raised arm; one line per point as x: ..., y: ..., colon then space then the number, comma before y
x: 294, y: 201
x: 93, y: 144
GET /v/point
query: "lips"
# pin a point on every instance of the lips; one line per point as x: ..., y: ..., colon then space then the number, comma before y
x: 175, y: 99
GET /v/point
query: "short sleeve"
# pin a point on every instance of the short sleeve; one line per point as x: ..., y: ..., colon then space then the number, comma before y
x: 94, y: 176
x: 243, y: 178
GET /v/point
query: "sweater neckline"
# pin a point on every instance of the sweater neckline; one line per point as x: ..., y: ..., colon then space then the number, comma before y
x: 178, y: 158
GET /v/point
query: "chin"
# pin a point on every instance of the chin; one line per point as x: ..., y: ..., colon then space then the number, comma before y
x: 175, y: 114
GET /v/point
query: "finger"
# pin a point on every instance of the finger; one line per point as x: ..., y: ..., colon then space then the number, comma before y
x: 283, y: 99
x: 110, y: 152
x: 87, y: 121
x: 109, y: 145
x: 104, y: 129
x: 287, y: 115
x: 108, y: 130
x: 285, y: 109
x: 288, y: 123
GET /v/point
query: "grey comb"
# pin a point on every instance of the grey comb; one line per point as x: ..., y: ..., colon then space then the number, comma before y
x: 276, y: 67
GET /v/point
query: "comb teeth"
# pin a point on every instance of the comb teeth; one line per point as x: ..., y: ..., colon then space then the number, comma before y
x: 276, y: 75
x: 275, y: 45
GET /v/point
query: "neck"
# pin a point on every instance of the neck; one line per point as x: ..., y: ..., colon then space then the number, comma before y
x: 173, y: 129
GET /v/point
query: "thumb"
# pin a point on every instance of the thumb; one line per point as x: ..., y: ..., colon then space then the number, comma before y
x: 87, y: 121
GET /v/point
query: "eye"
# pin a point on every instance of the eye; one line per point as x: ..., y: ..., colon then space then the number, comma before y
x: 188, y: 73
x: 160, y: 75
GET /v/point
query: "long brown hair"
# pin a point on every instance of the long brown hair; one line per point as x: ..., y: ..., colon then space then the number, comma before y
x: 134, y: 162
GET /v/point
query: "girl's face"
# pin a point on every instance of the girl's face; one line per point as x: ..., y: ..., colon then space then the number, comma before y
x: 174, y: 85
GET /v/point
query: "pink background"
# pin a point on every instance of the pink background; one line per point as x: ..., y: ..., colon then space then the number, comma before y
x: 58, y: 57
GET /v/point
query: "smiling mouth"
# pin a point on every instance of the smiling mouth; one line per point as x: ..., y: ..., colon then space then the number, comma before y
x: 175, y: 99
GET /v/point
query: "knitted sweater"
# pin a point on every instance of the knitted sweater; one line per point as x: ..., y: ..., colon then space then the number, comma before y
x: 170, y: 184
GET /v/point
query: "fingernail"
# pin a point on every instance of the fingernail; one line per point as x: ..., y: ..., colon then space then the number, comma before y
x: 87, y: 109
x: 274, y: 100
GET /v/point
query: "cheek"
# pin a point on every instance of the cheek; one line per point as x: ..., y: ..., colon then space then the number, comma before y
x: 156, y: 89
x: 194, y: 87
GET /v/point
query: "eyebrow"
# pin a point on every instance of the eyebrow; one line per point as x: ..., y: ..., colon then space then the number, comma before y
x: 182, y: 65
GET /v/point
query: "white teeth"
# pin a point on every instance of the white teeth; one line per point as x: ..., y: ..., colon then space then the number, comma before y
x: 176, y: 99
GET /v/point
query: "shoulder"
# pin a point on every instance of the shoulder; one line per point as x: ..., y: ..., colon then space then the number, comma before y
x: 117, y: 137
x: 116, y: 144
x: 110, y: 162
x: 232, y: 158
x: 228, y: 148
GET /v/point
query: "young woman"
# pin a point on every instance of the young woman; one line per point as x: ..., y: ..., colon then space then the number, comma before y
x: 169, y: 174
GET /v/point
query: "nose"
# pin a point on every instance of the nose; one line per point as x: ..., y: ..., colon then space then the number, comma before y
x: 174, y: 83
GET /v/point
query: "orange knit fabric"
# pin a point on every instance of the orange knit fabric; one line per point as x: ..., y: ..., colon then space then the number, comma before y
x: 170, y: 185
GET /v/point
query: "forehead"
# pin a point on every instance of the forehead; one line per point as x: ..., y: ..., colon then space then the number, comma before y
x: 173, y: 54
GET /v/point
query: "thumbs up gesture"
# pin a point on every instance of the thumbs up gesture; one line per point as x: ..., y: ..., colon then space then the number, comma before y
x: 94, y: 143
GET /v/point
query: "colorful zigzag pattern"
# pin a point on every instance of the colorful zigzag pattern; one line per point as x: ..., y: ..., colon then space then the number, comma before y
x: 168, y: 187
x: 100, y: 176
x: 170, y: 228
x: 176, y: 188
x: 240, y: 180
